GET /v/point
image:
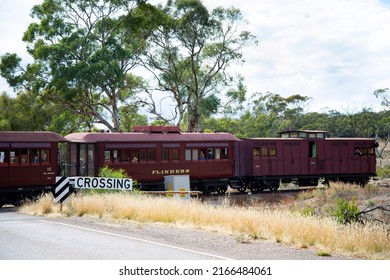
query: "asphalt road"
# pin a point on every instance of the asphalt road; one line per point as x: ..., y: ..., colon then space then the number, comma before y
x: 25, y: 237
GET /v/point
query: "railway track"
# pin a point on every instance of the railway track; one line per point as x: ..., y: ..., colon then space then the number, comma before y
x: 236, y: 197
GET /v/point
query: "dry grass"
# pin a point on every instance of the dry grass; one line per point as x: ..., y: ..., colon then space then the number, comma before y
x: 371, y: 241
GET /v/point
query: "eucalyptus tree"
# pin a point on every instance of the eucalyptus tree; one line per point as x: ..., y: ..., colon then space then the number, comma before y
x: 384, y: 94
x: 274, y: 113
x: 28, y: 112
x: 84, y: 52
x: 189, y: 57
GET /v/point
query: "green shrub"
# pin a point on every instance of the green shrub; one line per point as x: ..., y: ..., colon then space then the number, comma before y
x: 107, y: 172
x: 383, y: 172
x: 346, y: 212
x: 308, y: 211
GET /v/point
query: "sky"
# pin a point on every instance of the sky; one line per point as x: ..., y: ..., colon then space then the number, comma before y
x: 335, y: 51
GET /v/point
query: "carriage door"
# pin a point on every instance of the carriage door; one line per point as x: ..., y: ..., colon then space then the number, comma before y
x: 81, y: 159
x: 312, y: 157
x: 86, y: 160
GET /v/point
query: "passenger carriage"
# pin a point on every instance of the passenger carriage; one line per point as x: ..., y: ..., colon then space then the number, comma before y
x: 28, y: 164
x: 150, y: 153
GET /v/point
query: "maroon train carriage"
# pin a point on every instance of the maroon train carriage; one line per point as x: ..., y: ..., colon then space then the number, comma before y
x: 305, y: 157
x: 151, y: 152
x: 28, y: 164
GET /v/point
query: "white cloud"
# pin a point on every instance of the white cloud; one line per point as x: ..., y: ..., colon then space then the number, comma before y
x: 335, y: 51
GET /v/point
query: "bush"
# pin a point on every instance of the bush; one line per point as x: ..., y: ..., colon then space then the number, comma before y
x: 383, y: 172
x: 346, y: 212
x: 107, y: 172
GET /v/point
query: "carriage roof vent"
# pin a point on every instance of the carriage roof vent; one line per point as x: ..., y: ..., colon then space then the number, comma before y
x: 157, y: 129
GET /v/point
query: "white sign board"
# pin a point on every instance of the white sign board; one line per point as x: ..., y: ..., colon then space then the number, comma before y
x: 98, y: 183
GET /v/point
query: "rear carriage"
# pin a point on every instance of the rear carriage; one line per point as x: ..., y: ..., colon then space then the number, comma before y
x: 28, y: 164
x: 304, y: 157
x: 150, y: 153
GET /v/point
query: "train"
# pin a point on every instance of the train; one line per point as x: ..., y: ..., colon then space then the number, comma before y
x: 30, y: 161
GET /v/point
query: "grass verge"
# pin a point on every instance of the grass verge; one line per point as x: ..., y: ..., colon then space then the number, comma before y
x: 324, y: 234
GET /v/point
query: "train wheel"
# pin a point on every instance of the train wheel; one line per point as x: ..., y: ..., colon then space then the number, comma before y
x: 222, y: 190
x: 256, y: 187
x: 242, y: 189
x: 274, y: 187
x: 206, y: 190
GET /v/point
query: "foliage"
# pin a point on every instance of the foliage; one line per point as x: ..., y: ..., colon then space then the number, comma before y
x: 383, y: 94
x: 84, y: 52
x: 30, y: 113
x: 189, y: 56
x: 268, y: 114
x: 346, y: 212
x: 107, y: 172
x: 383, y: 172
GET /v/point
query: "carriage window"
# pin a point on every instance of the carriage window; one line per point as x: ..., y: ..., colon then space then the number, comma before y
x: 164, y: 154
x: 91, y: 161
x: 73, y: 159
x: 134, y: 155
x: 3, y: 160
x: 152, y: 155
x: 45, y: 156
x: 370, y: 151
x: 175, y: 154
x: 264, y: 152
x: 256, y: 151
x: 142, y: 155
x: 210, y: 153
x: 34, y: 157
x: 272, y: 152
x: 217, y: 153
x: 225, y: 153
x: 116, y: 156
x: 82, y: 160
x: 126, y: 156
x: 24, y: 158
x: 312, y: 149
x: 107, y: 157
x: 195, y: 154
x: 188, y: 154
x: 14, y: 157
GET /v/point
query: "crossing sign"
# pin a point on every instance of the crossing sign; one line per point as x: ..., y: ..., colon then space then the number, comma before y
x: 65, y: 185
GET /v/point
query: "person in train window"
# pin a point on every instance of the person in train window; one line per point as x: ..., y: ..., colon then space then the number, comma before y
x: 210, y: 154
x: 135, y: 159
x: 44, y: 157
x: 202, y: 157
x: 35, y: 159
